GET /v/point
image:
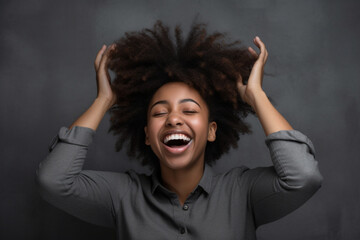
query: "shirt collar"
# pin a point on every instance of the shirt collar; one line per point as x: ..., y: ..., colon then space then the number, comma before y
x: 205, y: 181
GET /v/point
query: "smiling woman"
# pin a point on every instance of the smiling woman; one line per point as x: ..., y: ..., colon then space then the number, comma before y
x: 178, y: 112
x: 181, y: 107
x: 146, y: 60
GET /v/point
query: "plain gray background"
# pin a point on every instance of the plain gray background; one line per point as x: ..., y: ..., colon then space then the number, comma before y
x: 47, y: 50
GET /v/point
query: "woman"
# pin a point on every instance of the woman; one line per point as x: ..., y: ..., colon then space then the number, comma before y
x: 180, y: 108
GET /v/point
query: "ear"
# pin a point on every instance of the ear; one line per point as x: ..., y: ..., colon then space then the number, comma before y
x: 146, y: 136
x: 212, y: 132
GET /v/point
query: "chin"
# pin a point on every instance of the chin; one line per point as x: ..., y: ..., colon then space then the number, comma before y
x: 177, y: 163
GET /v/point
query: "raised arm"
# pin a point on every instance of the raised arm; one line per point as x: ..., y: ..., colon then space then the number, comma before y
x: 252, y: 93
x: 89, y: 195
x: 105, y: 99
x: 295, y: 177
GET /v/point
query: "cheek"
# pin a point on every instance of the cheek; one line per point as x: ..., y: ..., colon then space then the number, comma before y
x: 200, y: 127
x: 153, y: 129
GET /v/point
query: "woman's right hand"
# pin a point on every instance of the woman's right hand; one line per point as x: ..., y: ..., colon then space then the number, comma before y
x: 103, y: 81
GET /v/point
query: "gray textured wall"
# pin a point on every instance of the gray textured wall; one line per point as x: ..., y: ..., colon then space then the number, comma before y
x: 47, y: 49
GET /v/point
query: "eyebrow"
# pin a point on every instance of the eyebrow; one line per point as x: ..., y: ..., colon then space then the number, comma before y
x: 181, y: 101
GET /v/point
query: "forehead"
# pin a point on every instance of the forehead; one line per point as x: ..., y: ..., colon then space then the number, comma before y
x: 174, y: 91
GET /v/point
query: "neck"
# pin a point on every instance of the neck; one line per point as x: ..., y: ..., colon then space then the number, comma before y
x: 182, y: 181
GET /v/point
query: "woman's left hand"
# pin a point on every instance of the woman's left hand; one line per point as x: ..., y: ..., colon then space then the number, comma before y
x: 249, y: 91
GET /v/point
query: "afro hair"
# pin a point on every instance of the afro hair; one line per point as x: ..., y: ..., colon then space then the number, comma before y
x: 143, y: 61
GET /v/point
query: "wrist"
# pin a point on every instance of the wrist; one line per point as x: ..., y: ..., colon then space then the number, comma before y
x: 104, y: 103
x: 258, y: 98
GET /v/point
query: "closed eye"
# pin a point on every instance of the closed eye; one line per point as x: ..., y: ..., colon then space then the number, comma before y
x: 158, y: 114
x: 190, y: 112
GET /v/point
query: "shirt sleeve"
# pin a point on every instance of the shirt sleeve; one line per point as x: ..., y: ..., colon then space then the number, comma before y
x: 86, y: 194
x: 290, y: 182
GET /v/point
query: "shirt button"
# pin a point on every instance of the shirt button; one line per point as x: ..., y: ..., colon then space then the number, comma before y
x: 185, y: 207
x: 182, y: 230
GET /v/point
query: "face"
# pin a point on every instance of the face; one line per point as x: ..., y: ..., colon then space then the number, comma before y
x: 178, y: 127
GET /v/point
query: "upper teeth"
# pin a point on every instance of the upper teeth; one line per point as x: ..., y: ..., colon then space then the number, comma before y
x: 176, y: 137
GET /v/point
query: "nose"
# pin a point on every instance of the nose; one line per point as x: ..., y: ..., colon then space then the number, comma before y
x: 174, y: 120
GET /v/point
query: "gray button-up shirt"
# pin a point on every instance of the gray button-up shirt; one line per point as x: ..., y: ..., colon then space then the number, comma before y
x: 229, y: 205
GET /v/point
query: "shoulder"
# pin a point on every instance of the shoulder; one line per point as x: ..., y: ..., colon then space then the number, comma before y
x: 108, y: 177
x: 138, y: 179
x: 233, y: 172
x: 243, y: 172
x: 136, y: 176
x: 244, y: 175
x: 236, y: 181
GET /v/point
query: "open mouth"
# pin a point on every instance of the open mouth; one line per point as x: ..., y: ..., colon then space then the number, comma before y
x: 176, y: 140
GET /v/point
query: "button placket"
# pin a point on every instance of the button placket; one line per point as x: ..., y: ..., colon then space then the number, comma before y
x: 180, y: 216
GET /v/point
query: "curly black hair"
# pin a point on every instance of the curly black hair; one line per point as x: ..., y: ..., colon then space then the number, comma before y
x: 143, y: 61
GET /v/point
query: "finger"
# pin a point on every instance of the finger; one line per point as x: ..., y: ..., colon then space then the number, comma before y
x: 263, y: 51
x: 266, y: 55
x: 103, y: 62
x: 99, y: 56
x: 256, y: 42
x: 105, y: 56
x: 240, y: 86
x: 240, y: 80
x: 242, y: 89
x: 261, y: 45
x: 102, y: 70
x: 253, y: 52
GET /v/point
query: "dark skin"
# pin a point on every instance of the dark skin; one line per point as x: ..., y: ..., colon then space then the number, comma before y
x: 181, y: 171
x: 179, y: 108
